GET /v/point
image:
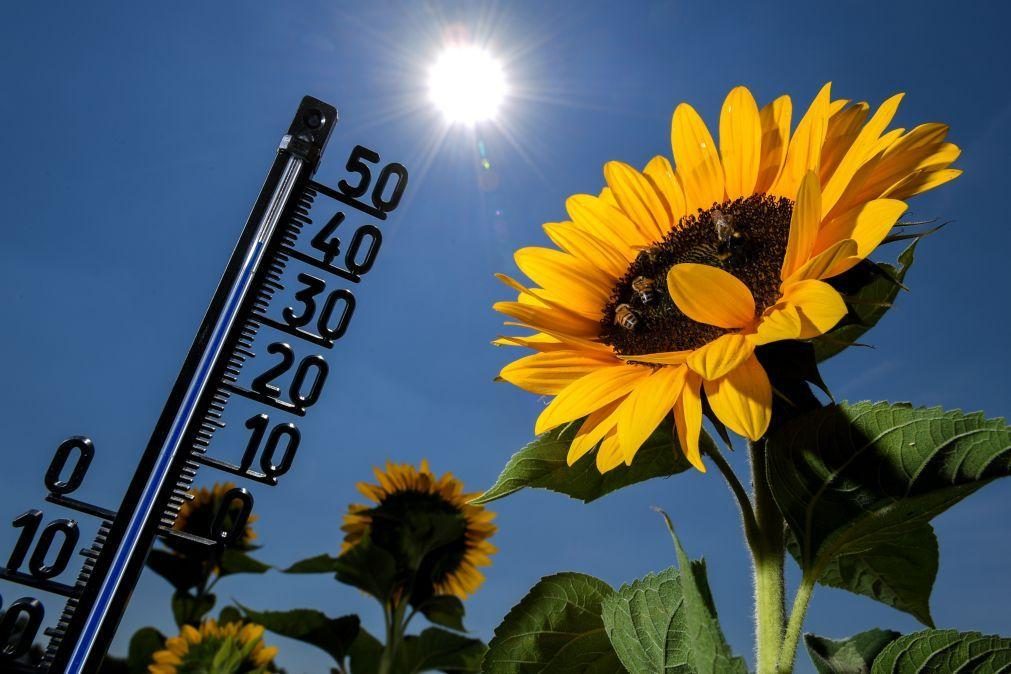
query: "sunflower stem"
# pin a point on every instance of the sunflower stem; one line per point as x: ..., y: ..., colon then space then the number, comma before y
x: 743, y: 501
x: 788, y: 652
x: 395, y: 626
x: 768, y: 553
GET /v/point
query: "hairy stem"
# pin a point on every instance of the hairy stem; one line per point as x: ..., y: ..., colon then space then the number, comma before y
x: 768, y: 552
x: 743, y: 501
x: 394, y: 634
x: 791, y: 639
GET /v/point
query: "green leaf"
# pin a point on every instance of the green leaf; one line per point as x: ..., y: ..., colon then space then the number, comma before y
x: 182, y: 572
x: 333, y: 635
x: 369, y: 568
x: 144, y: 643
x: 853, y: 655
x: 858, y: 483
x: 945, y: 651
x: 897, y: 568
x: 365, y: 652
x: 542, y: 464
x: 438, y: 649
x: 870, y: 290
x: 702, y: 639
x: 318, y: 564
x: 445, y: 610
x: 190, y: 610
x: 557, y: 628
x: 236, y: 561
x: 229, y: 614
x: 642, y: 621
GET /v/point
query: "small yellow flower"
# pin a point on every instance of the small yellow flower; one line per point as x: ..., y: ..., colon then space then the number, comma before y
x: 403, y: 487
x: 194, y: 650
x: 662, y: 287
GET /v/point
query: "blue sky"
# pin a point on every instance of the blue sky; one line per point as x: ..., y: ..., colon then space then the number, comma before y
x: 137, y: 138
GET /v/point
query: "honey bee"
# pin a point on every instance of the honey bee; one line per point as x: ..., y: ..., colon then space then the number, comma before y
x: 644, y: 287
x: 730, y: 241
x: 625, y: 317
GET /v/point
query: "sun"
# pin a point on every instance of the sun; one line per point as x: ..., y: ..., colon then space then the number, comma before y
x: 467, y: 84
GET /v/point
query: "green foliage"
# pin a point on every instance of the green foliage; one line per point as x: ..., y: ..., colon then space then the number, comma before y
x: 438, y: 649
x: 365, y: 654
x: 445, y: 610
x: 668, y: 623
x: 188, y: 609
x: 858, y: 483
x: 143, y: 645
x: 368, y: 567
x: 236, y: 561
x: 853, y: 655
x: 318, y: 564
x: 870, y: 289
x: 541, y: 464
x: 556, y: 628
x: 333, y: 635
x: 945, y: 651
x: 183, y: 573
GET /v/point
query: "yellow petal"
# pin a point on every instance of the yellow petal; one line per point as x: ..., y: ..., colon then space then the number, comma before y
x: 743, y: 399
x: 646, y: 406
x: 867, y: 225
x: 721, y: 355
x: 698, y: 164
x: 740, y: 142
x: 710, y: 295
x: 664, y: 358
x: 804, y: 224
x: 661, y: 174
x: 638, y: 198
x: 537, y: 342
x: 775, y: 119
x: 843, y: 129
x: 922, y: 181
x: 688, y: 420
x: 804, y: 153
x: 593, y: 430
x: 606, y: 222
x: 549, y: 373
x: 819, y: 305
x: 609, y: 455
x: 565, y: 274
x: 549, y: 320
x: 587, y: 247
x: 780, y: 322
x: 590, y: 393
x: 835, y: 259
x: 859, y: 152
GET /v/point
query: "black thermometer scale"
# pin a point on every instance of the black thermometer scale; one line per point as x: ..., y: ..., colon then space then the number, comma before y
x: 212, y: 376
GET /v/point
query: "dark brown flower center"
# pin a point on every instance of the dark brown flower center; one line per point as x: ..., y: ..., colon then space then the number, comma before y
x: 745, y: 237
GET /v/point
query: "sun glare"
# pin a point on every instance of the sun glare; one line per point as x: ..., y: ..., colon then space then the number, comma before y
x: 467, y: 84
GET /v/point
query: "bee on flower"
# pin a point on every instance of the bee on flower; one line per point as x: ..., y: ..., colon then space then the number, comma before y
x: 740, y: 240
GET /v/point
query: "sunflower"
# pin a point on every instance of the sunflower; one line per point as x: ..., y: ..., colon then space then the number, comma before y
x: 408, y: 503
x: 233, y: 648
x: 197, y: 515
x: 662, y: 286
